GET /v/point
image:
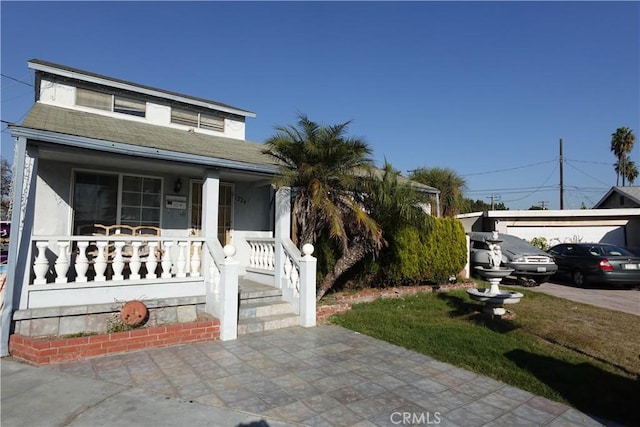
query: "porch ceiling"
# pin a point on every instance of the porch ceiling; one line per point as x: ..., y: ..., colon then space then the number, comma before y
x: 150, y: 137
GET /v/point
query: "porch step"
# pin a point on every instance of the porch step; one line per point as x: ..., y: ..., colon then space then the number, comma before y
x: 267, y: 323
x: 261, y: 308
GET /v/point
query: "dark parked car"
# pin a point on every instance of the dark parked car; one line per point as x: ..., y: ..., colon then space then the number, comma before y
x: 529, y: 263
x: 597, y: 263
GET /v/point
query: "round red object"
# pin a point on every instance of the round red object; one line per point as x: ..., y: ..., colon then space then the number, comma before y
x: 134, y: 313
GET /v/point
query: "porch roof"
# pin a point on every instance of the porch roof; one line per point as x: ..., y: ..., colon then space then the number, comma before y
x: 147, y: 138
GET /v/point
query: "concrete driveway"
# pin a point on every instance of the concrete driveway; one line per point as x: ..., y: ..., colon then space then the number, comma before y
x: 625, y: 300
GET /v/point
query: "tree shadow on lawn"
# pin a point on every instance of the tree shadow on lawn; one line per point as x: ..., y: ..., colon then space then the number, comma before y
x: 586, y: 387
x: 462, y: 308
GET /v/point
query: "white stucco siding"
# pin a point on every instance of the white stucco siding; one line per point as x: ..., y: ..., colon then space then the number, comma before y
x: 614, y: 234
x: 57, y: 94
x: 52, y: 201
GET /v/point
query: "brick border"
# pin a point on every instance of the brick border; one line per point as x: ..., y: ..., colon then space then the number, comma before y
x: 345, y: 301
x: 42, y: 351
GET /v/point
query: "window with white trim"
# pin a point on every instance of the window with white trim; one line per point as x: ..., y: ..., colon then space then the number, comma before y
x: 109, y: 199
x: 109, y: 102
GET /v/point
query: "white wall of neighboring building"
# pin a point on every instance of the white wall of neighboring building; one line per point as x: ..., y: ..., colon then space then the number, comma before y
x: 588, y: 234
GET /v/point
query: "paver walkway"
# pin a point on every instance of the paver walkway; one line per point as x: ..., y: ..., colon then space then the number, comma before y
x: 327, y: 376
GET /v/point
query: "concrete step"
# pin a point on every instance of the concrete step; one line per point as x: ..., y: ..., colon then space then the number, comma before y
x: 249, y: 309
x: 267, y: 323
x: 252, y: 292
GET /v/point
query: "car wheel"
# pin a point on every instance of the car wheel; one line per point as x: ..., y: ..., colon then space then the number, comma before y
x: 579, y: 279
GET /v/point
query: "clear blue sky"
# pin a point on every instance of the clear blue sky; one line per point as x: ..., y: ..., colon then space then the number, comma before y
x: 474, y: 86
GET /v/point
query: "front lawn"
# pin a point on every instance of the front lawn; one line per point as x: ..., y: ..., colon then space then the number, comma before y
x: 581, y: 355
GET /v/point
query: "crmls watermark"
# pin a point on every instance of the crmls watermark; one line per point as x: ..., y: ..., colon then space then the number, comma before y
x: 415, y: 418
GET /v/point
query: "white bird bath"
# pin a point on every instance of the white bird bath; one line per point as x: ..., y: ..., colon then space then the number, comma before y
x: 493, y: 298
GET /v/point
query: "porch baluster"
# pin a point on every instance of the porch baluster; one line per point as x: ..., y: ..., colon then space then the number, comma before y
x: 41, y: 264
x: 82, y: 263
x: 252, y: 257
x: 167, y: 262
x: 62, y: 263
x: 100, y: 262
x: 181, y: 263
x: 195, y: 260
x: 271, y: 257
x: 134, y: 263
x: 152, y: 261
x: 118, y: 262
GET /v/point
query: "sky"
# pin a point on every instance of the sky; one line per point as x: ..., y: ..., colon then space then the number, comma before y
x: 487, y: 89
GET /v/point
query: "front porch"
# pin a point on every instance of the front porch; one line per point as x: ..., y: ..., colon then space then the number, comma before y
x: 178, y: 279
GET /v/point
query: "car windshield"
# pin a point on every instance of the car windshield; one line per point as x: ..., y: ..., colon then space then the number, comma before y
x: 606, y: 250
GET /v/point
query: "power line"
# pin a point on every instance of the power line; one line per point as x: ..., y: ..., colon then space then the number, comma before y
x: 535, y: 191
x: 16, y: 80
x: 510, y: 169
x: 587, y: 175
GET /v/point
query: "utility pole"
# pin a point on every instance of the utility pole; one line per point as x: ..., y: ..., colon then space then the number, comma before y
x: 493, y: 198
x: 543, y: 204
x: 561, y: 177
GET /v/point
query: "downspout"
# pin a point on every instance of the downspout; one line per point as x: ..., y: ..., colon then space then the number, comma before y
x: 14, y: 244
x: 437, y: 204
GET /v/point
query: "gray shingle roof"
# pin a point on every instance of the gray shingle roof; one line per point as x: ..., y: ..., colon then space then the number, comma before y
x: 78, y: 123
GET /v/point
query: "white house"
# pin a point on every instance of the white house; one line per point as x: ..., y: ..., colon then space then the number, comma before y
x: 127, y: 192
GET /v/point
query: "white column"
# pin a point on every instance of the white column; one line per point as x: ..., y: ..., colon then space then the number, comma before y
x: 181, y: 263
x: 228, y: 314
x: 134, y: 263
x: 41, y: 263
x: 62, y: 263
x: 308, y: 287
x: 100, y: 262
x: 118, y: 262
x: 282, y: 230
x: 167, y: 262
x: 195, y: 259
x: 82, y: 263
x: 152, y: 261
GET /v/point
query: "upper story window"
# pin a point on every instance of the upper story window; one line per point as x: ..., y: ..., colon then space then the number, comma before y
x: 108, y: 102
x: 196, y: 119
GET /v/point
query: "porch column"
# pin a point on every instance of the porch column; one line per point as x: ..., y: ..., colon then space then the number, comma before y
x: 282, y: 229
x: 210, y: 199
x: 18, y: 265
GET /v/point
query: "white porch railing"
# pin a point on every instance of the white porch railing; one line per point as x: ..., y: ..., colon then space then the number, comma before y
x: 82, y: 259
x: 294, y: 273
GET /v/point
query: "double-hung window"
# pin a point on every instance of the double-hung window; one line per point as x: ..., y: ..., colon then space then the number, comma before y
x: 109, y: 102
x: 109, y: 199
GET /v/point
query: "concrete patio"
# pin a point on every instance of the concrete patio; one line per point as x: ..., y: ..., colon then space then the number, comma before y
x: 322, y: 376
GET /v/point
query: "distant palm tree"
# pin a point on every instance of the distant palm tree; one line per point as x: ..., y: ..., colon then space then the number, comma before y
x: 630, y: 171
x: 622, y: 141
x: 450, y: 184
x: 325, y: 167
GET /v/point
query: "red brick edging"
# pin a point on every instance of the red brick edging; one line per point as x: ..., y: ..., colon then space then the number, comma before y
x: 42, y: 351
x: 345, y: 301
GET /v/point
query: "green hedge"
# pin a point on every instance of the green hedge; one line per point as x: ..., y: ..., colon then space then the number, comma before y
x: 433, y: 256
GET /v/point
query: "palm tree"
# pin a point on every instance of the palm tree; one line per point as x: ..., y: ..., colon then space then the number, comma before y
x: 630, y: 171
x: 450, y: 184
x: 622, y: 141
x: 323, y: 166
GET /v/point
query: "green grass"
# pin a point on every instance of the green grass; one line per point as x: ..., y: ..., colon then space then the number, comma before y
x: 581, y: 355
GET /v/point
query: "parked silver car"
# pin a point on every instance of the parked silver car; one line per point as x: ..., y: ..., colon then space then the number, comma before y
x: 531, y: 265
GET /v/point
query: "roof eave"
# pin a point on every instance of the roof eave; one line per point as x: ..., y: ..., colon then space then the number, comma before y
x: 91, y: 78
x: 134, y: 150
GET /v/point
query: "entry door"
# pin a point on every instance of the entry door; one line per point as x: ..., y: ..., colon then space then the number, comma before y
x: 225, y: 211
